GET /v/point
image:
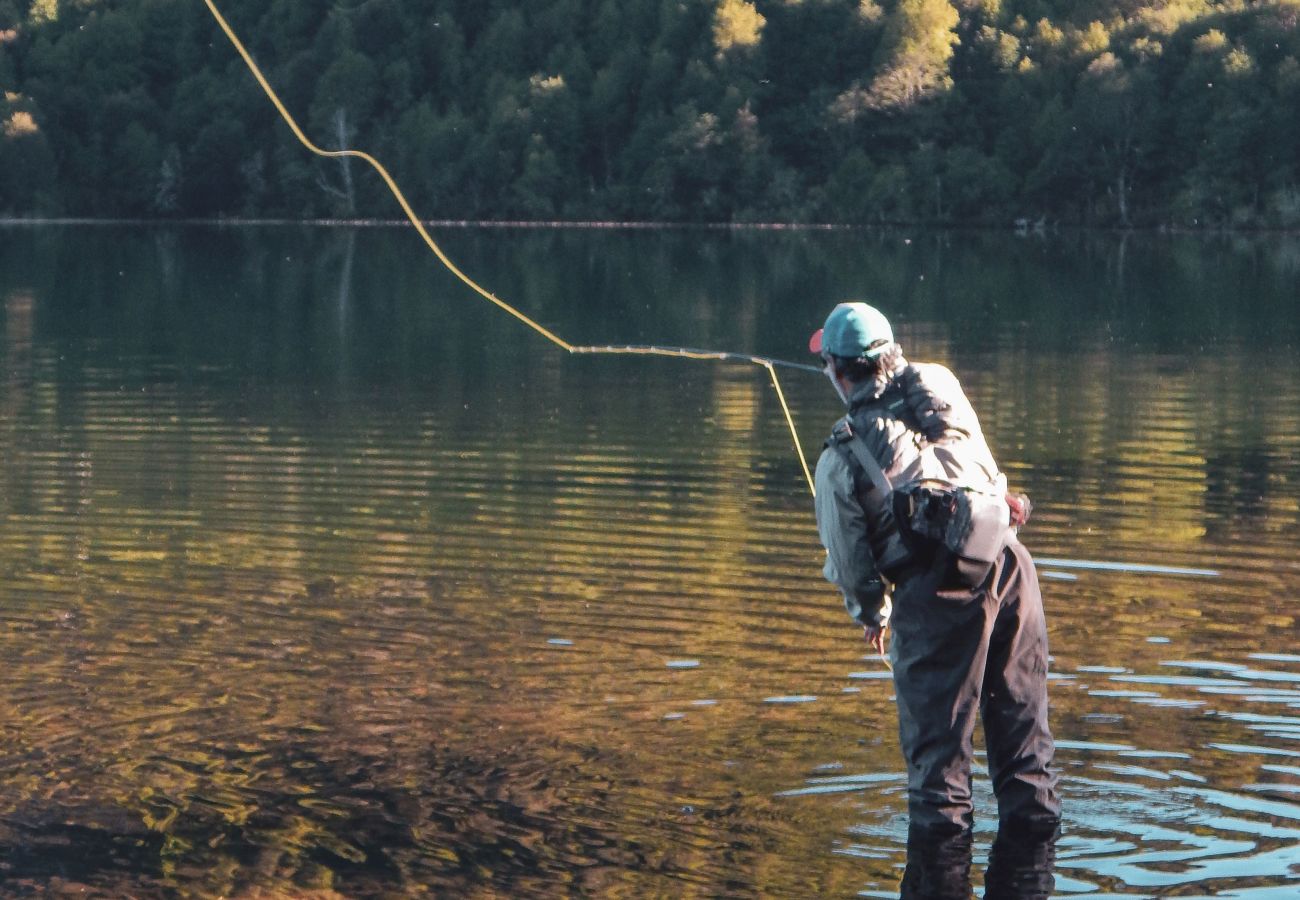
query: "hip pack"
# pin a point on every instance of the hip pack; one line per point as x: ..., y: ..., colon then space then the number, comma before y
x: 938, y: 518
x: 971, y: 526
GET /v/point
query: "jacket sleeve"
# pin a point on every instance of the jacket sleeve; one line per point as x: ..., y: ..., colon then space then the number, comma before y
x: 842, y: 525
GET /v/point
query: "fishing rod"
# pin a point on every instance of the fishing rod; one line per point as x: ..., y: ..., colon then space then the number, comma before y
x: 693, y: 353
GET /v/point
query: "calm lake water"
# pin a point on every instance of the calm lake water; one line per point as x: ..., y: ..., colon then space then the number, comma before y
x: 321, y: 577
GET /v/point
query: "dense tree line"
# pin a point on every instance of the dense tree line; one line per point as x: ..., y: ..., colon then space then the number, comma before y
x: 1179, y: 112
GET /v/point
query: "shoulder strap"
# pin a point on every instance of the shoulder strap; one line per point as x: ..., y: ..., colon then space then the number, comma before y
x: 843, y: 433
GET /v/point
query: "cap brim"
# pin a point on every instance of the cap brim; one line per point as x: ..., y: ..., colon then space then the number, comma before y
x: 815, y: 342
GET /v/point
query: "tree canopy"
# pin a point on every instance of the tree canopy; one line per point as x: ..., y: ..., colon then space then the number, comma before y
x: 1105, y: 112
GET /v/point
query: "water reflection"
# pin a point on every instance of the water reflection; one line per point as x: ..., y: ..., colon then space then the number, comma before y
x: 304, y: 591
x: 938, y: 866
x: 1020, y: 866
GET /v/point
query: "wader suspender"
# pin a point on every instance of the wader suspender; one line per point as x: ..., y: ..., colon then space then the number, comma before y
x: 844, y: 432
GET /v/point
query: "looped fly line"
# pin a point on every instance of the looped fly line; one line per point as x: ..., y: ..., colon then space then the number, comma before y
x: 681, y: 353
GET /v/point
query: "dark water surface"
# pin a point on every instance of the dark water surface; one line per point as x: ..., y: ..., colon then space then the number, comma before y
x: 320, y: 577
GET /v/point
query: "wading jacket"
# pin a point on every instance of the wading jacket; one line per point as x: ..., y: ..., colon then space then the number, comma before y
x: 918, y: 424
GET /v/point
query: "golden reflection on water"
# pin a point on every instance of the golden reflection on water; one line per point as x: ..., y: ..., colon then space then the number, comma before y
x: 564, y: 630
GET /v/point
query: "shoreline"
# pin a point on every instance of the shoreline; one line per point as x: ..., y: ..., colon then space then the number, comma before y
x: 575, y: 224
x: 635, y: 225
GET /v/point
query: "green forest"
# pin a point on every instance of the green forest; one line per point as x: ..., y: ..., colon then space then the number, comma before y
x: 1117, y: 113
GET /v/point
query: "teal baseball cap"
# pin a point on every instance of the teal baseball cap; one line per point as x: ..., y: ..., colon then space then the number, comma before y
x: 853, y: 330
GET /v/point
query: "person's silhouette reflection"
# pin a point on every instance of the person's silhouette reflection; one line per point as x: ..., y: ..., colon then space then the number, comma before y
x: 939, y: 864
x: 1020, y: 865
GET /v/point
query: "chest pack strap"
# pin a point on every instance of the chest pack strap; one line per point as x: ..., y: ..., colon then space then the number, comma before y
x: 844, y: 434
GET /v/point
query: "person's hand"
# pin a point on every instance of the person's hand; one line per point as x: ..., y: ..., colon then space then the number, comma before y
x: 1020, y: 508
x: 875, y: 636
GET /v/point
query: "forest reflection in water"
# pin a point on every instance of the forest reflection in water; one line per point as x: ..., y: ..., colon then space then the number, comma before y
x: 320, y: 577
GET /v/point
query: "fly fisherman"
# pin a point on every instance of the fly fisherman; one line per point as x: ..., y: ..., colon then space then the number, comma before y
x: 967, y: 620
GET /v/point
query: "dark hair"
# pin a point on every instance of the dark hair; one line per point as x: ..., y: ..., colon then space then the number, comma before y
x: 862, y: 368
x: 856, y: 370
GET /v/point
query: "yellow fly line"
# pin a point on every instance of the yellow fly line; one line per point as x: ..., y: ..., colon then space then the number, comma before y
x: 681, y: 353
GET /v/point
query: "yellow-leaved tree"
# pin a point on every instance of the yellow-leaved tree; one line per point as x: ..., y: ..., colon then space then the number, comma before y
x: 43, y: 11
x: 917, y: 47
x: 736, y: 24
